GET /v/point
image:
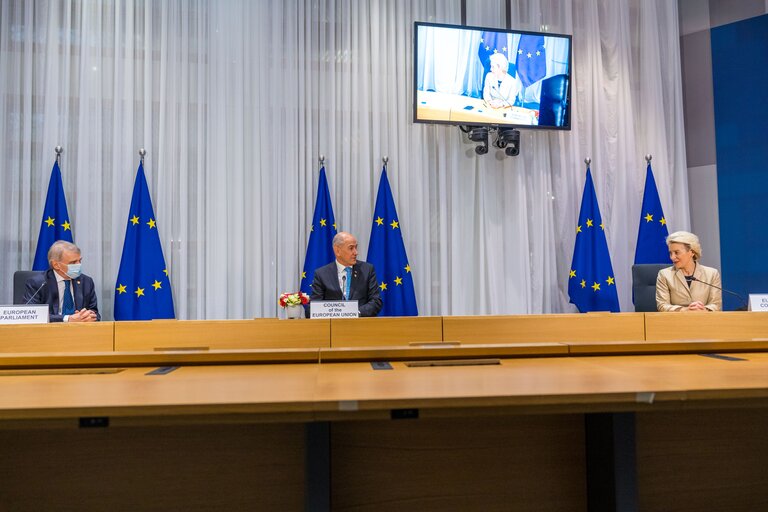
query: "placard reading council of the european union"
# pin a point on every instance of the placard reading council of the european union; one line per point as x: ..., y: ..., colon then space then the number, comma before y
x: 24, y: 314
x: 333, y: 309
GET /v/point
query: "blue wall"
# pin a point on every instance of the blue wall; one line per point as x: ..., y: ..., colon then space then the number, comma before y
x: 740, y: 79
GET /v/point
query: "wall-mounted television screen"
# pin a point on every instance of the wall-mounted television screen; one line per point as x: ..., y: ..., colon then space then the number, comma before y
x: 490, y: 77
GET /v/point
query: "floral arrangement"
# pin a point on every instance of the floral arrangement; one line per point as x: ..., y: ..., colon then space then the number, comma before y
x: 293, y: 299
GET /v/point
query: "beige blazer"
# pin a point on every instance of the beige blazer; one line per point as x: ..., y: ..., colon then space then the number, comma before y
x: 673, y: 293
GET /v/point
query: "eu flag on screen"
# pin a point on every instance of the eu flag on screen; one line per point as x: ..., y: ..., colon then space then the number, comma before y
x: 320, y: 246
x: 386, y: 252
x: 652, y: 234
x: 490, y: 43
x: 531, y: 59
x: 591, y: 283
x: 55, y: 224
x: 143, y: 290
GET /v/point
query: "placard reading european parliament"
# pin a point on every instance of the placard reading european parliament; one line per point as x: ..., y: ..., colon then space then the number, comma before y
x: 333, y: 309
x: 24, y: 314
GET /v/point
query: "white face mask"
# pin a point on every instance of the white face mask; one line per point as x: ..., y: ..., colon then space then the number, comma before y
x: 73, y: 270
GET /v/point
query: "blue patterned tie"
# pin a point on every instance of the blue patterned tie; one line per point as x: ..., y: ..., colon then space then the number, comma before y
x: 348, y: 270
x: 68, y: 307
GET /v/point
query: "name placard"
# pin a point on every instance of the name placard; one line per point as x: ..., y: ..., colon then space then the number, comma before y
x: 333, y: 309
x: 24, y: 314
x: 758, y: 302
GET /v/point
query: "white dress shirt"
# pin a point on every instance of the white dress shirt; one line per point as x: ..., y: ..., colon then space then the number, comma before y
x: 341, y: 271
x: 62, y: 287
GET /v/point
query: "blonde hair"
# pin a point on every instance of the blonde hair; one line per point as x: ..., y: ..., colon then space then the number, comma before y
x: 689, y: 240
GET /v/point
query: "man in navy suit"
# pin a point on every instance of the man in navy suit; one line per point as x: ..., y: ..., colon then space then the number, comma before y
x: 70, y: 295
x: 348, y: 279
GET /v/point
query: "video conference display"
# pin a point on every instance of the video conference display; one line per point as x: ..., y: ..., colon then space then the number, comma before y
x: 476, y: 77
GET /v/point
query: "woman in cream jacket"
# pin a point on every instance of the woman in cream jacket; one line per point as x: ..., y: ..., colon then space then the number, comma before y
x: 687, y: 285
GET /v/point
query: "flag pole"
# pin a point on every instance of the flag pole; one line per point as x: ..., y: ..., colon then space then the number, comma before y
x: 322, y: 164
x: 648, y: 158
x: 59, y: 150
x: 142, y: 154
x: 587, y: 161
x: 385, y: 159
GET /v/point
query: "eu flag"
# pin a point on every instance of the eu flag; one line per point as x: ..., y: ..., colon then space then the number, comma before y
x: 591, y: 283
x: 490, y: 43
x: 386, y: 252
x: 652, y: 234
x: 143, y: 288
x: 531, y: 59
x: 55, y: 224
x: 320, y: 246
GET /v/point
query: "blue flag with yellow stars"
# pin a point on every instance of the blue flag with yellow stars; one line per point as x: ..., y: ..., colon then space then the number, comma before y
x: 55, y: 224
x: 531, y: 59
x: 143, y: 289
x: 591, y: 283
x: 320, y: 246
x: 652, y: 234
x: 386, y: 252
x: 490, y: 43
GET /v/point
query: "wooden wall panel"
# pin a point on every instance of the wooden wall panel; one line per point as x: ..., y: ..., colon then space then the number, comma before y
x: 191, y: 468
x: 486, y: 463
x: 701, y: 460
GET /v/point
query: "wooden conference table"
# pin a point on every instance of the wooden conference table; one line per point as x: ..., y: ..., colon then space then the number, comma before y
x: 317, y: 427
x: 164, y: 335
x: 438, y: 106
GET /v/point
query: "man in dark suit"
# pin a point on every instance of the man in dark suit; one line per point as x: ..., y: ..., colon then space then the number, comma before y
x: 348, y: 279
x: 70, y: 295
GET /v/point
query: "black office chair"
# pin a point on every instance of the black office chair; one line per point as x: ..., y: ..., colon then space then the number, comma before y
x: 554, y: 101
x: 644, y: 285
x: 19, y: 280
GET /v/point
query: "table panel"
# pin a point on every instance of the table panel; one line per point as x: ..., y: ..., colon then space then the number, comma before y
x: 544, y: 328
x: 700, y: 377
x: 385, y: 331
x: 441, y: 351
x: 254, y: 390
x: 221, y: 334
x: 158, y: 358
x: 583, y: 348
x: 57, y: 337
x: 347, y: 390
x: 707, y: 325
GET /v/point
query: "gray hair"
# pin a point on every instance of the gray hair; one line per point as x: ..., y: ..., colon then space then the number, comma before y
x: 58, y: 249
x: 340, y: 238
x: 689, y: 240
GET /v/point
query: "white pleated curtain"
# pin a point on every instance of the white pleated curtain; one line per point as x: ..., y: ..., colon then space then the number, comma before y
x: 235, y: 99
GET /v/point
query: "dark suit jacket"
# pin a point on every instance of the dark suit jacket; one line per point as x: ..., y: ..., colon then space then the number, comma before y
x: 364, y: 288
x: 82, y: 289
